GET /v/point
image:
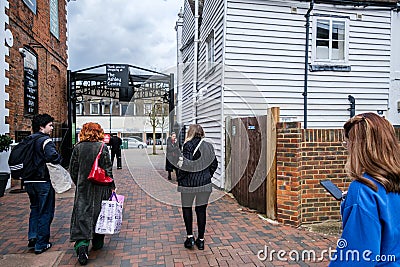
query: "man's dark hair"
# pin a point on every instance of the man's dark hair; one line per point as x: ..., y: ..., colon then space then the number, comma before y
x: 41, y: 120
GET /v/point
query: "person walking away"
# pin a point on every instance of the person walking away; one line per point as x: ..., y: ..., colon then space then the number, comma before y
x: 88, y: 196
x: 173, y: 153
x: 370, y: 210
x: 116, y: 143
x: 197, y: 167
x: 38, y: 186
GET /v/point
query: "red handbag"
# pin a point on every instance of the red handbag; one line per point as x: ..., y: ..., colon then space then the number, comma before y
x: 98, y: 175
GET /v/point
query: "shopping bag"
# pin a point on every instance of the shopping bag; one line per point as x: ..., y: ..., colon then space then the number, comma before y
x: 110, y: 219
x: 59, y: 177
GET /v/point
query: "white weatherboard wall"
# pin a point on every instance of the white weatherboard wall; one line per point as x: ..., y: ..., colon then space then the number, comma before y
x: 265, y: 43
x: 187, y: 55
x: 4, y: 66
x: 394, y: 114
x: 4, y: 50
x: 209, y: 103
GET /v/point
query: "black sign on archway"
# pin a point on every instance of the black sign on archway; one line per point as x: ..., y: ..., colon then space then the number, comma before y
x: 117, y: 76
x: 116, y: 81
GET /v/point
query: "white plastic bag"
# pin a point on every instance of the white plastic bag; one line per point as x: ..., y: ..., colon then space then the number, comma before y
x: 110, y: 218
x: 59, y: 177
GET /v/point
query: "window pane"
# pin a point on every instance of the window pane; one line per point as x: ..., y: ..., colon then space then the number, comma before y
x: 323, y: 29
x: 79, y: 109
x: 130, y: 110
x: 322, y: 49
x: 338, y: 30
x: 106, y: 109
x: 94, y: 108
x: 338, y: 50
x: 123, y: 109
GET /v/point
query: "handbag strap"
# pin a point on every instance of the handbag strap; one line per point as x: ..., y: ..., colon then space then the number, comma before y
x: 101, y: 150
x: 197, y: 147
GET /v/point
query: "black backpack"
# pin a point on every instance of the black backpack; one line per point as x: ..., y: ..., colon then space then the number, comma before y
x: 21, y: 160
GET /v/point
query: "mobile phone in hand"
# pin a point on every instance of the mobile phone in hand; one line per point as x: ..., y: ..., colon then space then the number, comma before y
x: 332, y: 189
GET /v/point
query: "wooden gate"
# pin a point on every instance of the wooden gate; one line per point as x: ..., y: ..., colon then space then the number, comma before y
x: 251, y: 161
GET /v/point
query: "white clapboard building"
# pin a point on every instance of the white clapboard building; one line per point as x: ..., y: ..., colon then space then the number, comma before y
x: 239, y: 57
x: 394, y: 95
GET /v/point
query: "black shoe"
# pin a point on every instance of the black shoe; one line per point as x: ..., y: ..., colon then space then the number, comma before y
x: 189, y: 243
x: 32, y: 243
x: 40, y: 251
x: 83, y: 255
x: 200, y: 244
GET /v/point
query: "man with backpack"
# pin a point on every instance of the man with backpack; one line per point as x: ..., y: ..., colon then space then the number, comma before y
x: 35, y: 175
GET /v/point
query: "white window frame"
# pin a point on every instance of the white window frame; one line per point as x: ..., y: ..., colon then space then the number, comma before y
x: 91, y: 108
x: 210, y: 50
x: 79, y: 109
x: 330, y: 61
x: 146, y: 111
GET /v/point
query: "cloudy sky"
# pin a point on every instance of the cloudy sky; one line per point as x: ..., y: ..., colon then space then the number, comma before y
x: 135, y: 32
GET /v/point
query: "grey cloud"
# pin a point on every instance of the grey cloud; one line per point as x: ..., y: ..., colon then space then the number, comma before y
x: 134, y: 32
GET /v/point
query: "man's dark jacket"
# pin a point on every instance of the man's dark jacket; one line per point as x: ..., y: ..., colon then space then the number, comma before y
x: 42, y: 156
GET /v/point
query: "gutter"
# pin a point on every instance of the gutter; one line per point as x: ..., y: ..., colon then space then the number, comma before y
x: 395, y: 5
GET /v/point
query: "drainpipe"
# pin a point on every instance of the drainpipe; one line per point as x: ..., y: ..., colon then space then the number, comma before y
x: 352, y: 107
x: 195, y: 62
x: 306, y: 61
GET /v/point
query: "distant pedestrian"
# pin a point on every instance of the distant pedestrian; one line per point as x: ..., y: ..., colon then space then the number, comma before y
x: 38, y: 186
x: 370, y: 210
x: 88, y: 196
x: 173, y: 153
x: 197, y: 167
x: 116, y: 143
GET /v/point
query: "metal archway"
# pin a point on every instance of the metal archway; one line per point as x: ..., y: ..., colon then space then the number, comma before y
x: 140, y: 83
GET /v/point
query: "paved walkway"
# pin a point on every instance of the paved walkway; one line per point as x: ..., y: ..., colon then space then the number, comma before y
x: 153, y: 231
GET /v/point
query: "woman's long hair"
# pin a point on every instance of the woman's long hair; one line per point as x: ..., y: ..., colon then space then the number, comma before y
x: 91, y: 132
x: 195, y: 130
x: 374, y: 149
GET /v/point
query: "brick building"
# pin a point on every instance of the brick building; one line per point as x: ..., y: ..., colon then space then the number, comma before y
x: 33, y: 67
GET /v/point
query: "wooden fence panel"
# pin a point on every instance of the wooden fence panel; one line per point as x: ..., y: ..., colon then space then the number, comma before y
x: 248, y: 172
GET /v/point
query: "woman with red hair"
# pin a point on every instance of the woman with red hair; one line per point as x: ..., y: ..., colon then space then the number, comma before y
x: 88, y: 196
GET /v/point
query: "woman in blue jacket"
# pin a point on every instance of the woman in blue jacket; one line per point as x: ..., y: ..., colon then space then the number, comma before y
x: 371, y: 209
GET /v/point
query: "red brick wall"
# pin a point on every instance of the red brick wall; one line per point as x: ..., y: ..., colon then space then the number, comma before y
x: 288, y: 172
x: 33, y: 31
x: 304, y: 157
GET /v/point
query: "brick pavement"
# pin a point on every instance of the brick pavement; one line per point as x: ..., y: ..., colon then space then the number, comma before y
x: 153, y: 231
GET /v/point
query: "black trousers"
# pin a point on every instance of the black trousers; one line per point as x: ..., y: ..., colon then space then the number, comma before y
x: 118, y: 154
x: 200, y: 209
